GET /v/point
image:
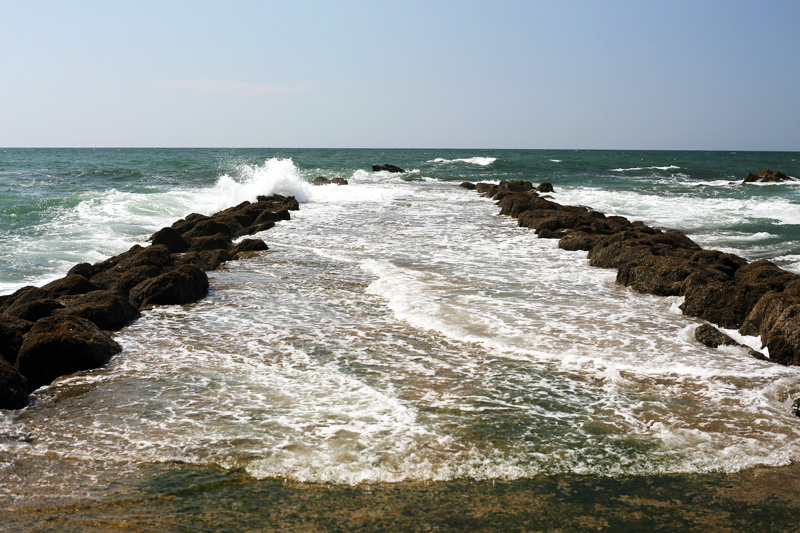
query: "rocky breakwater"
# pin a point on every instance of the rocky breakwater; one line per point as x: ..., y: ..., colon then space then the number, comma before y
x: 756, y: 298
x: 63, y: 327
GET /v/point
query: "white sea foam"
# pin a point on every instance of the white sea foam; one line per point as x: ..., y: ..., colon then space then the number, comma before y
x: 635, y: 169
x: 480, y: 161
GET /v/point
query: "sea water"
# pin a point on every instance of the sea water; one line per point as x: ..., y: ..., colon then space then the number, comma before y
x: 398, y: 328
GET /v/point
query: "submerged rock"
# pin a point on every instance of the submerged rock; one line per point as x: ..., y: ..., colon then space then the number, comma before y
x: 712, y: 337
x: 60, y: 345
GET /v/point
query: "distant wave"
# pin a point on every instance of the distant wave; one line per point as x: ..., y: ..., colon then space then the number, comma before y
x: 481, y: 161
x: 556, y: 160
x: 671, y: 167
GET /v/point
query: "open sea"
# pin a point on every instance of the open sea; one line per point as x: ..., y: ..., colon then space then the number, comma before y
x: 398, y: 328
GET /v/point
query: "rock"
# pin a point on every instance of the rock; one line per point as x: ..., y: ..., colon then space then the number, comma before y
x: 13, y: 387
x: 71, y: 284
x: 387, y: 168
x: 249, y: 245
x: 724, y: 303
x: 320, y: 180
x: 28, y: 293
x: 188, y: 223
x: 767, y: 176
x: 661, y: 275
x: 255, y: 228
x: 765, y: 273
x: 514, y: 186
x: 724, y: 262
x: 108, y: 309
x: 545, y: 187
x: 186, y: 284
x: 339, y: 181
x: 83, y: 269
x: 766, y: 313
x: 207, y: 228
x: 215, y: 258
x: 712, y: 337
x: 170, y: 238
x: 578, y: 240
x: 156, y: 255
x: 468, y: 185
x: 783, y: 339
x: 212, y: 242
x: 122, y: 279
x: 60, y: 345
x: 32, y: 310
x: 11, y: 332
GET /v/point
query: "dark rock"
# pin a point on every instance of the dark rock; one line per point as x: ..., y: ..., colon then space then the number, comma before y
x: 255, y: 228
x: 579, y: 240
x: 724, y: 303
x: 122, y: 279
x: 83, y: 269
x: 320, y: 180
x: 660, y: 275
x: 207, y: 228
x: 339, y: 181
x: 765, y: 273
x: 724, y: 262
x: 712, y: 337
x: 766, y: 313
x: 170, y: 238
x: 215, y: 258
x: 514, y: 186
x: 783, y: 339
x: 60, y: 345
x: 545, y: 187
x: 767, y: 176
x: 212, y: 242
x: 108, y: 309
x: 23, y: 294
x: 387, y: 168
x: 32, y: 310
x: 468, y: 185
x: 249, y: 245
x: 156, y: 255
x: 186, y: 284
x: 271, y: 216
x: 188, y: 223
x: 11, y: 332
x: 71, y: 284
x: 13, y: 387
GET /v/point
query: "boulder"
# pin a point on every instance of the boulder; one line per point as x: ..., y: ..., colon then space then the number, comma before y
x: 724, y: 262
x: 320, y: 180
x: 122, y: 279
x: 186, y: 284
x: 765, y: 273
x: 579, y: 240
x: 545, y: 187
x: 32, y: 310
x: 724, y: 303
x: 467, y: 185
x: 188, y: 222
x: 783, y: 339
x: 13, y: 387
x: 767, y: 176
x: 70, y: 284
x: 83, y: 269
x: 110, y: 310
x: 387, y: 168
x: 712, y: 337
x: 60, y: 345
x: 255, y: 228
x: 249, y: 245
x: 170, y: 238
x: 215, y: 258
x: 766, y: 313
x: 207, y: 228
x: 212, y: 242
x: 339, y: 181
x: 11, y: 333
x: 28, y: 293
x: 661, y: 275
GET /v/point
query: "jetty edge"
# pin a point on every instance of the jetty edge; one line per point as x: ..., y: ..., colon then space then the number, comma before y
x: 64, y: 326
x: 756, y: 298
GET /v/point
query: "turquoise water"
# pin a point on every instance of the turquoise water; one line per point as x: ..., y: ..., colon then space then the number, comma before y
x: 398, y: 329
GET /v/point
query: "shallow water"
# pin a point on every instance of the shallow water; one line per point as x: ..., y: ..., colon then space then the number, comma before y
x: 401, y: 330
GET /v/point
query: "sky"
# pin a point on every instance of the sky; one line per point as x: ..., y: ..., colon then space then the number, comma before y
x: 602, y: 74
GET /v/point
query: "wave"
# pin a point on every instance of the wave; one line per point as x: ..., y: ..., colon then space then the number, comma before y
x: 635, y: 169
x: 480, y: 161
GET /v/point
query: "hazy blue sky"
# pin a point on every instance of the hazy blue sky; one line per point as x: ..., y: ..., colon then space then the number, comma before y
x: 494, y: 74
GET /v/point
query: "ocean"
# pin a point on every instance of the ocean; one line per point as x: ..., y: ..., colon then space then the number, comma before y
x: 398, y: 329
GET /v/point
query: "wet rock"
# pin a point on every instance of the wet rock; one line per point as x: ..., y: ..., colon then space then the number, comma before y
x: 545, y: 187
x: 207, y: 228
x: 661, y: 275
x: 11, y: 332
x: 156, y: 255
x: 320, y: 180
x: 767, y: 176
x: 783, y: 339
x: 486, y: 189
x: 212, y: 242
x: 255, y: 228
x: 83, y: 269
x: 712, y: 337
x: 122, y: 279
x: 248, y: 246
x: 724, y: 303
x: 387, y: 168
x: 170, y: 238
x: 60, y: 345
x: 108, y: 309
x: 32, y: 310
x: 215, y: 258
x: 723, y: 262
x: 467, y: 185
x: 339, y: 181
x: 579, y: 240
x: 765, y: 273
x: 188, y: 222
x: 186, y: 284
x: 71, y: 284
x: 25, y: 293
x: 13, y: 387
